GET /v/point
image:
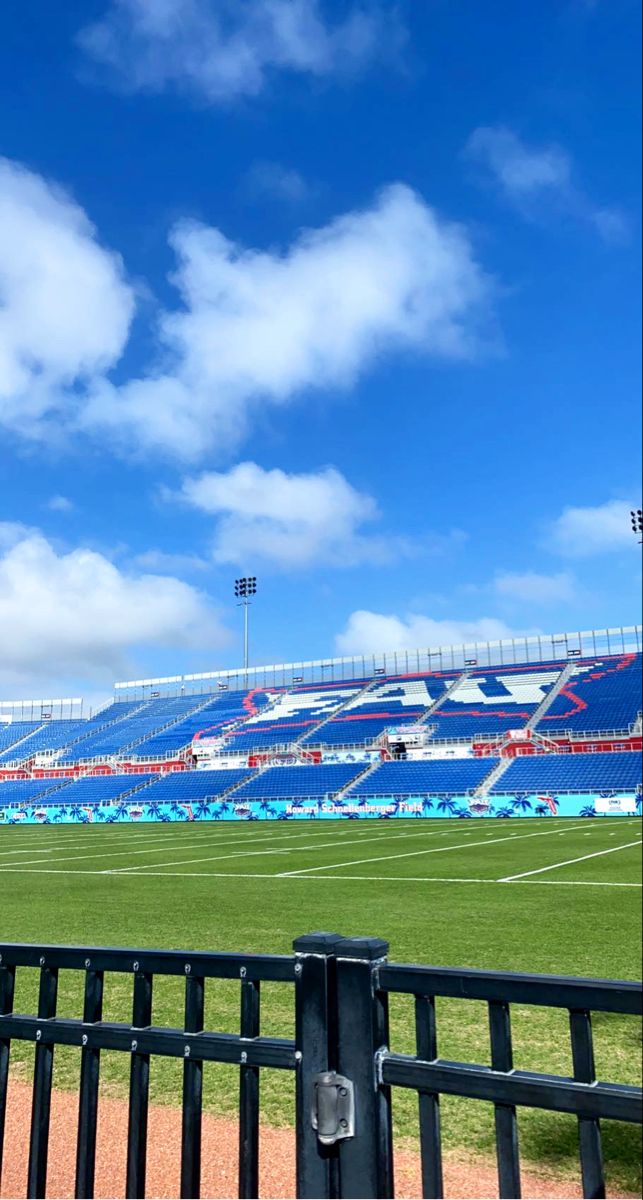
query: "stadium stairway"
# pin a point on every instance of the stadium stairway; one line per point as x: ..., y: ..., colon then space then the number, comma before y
x: 425, y: 720
x: 552, y: 694
x: 358, y: 779
x: 488, y: 782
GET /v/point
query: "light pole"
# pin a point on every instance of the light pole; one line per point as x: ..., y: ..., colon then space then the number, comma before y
x: 637, y: 520
x: 244, y: 588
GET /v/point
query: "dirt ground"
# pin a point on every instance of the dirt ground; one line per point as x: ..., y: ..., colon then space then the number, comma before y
x: 464, y: 1177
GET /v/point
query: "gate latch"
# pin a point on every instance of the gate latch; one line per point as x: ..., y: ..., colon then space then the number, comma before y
x: 333, y: 1115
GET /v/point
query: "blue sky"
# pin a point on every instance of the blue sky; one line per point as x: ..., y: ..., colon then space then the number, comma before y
x: 340, y: 294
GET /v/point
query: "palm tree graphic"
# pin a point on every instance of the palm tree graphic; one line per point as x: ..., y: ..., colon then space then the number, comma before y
x: 447, y: 805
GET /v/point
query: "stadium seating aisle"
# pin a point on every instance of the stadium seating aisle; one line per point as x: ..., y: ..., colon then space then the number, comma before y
x: 601, y: 695
x: 572, y: 773
x: 434, y: 777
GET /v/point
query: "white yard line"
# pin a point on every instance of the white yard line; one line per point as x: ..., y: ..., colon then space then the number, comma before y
x: 426, y: 879
x: 512, y: 837
x: 184, y: 862
x: 569, y: 862
x: 283, y: 836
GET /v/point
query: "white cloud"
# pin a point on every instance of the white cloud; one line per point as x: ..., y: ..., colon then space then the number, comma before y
x: 60, y: 504
x: 532, y: 588
x: 288, y: 520
x: 219, y: 50
x: 539, y: 180
x: 369, y: 632
x: 274, y: 180
x: 65, y: 308
x: 582, y: 532
x: 262, y: 327
x: 76, y: 614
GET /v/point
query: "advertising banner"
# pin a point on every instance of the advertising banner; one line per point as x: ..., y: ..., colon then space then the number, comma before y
x: 320, y: 808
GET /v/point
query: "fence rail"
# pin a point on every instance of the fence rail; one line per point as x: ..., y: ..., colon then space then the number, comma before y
x: 345, y: 1068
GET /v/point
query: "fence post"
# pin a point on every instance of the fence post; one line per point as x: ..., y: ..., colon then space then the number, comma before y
x: 366, y: 1159
x: 316, y: 1044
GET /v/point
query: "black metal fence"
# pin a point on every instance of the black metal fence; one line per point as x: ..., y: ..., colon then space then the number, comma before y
x: 345, y: 1070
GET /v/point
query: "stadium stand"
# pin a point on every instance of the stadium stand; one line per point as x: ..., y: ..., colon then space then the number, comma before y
x: 210, y: 721
x: 289, y: 782
x: 492, y: 702
x: 555, y: 699
x: 599, y: 695
x: 295, y: 713
x: 23, y: 791
x: 395, y: 702
x: 13, y: 734
x: 571, y: 773
x: 119, y: 735
x: 192, y: 785
x: 50, y: 737
x: 95, y: 789
x: 37, y: 737
x: 434, y: 777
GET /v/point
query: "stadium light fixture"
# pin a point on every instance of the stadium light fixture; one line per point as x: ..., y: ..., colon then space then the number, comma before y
x: 244, y: 589
x: 637, y: 520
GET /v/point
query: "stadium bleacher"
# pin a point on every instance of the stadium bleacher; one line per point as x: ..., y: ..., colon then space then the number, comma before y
x: 433, y: 777
x: 145, y: 720
x: 12, y: 734
x: 395, y: 702
x: 185, y: 786
x: 492, y: 702
x: 295, y: 713
x: 297, y: 782
x: 571, y: 773
x: 23, y: 791
x: 340, y: 720
x: 211, y: 721
x: 601, y: 695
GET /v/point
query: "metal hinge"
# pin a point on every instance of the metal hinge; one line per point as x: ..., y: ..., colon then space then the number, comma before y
x: 333, y: 1115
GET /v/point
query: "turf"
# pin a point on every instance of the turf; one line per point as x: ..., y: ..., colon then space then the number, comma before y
x: 431, y: 887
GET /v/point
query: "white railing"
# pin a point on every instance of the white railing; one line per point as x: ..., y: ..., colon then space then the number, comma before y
x: 555, y: 648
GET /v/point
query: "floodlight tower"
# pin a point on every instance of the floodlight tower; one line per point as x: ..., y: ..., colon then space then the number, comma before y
x: 244, y: 588
x: 637, y: 521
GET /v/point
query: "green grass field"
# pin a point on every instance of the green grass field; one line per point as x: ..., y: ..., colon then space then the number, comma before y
x: 542, y: 895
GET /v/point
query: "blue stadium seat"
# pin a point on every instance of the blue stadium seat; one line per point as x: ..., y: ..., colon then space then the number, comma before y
x: 23, y: 791
x: 604, y: 694
x: 430, y: 778
x: 398, y: 701
x: 211, y: 721
x: 185, y: 786
x: 299, y: 782
x: 144, y: 720
x: 492, y: 702
x: 294, y: 714
x: 572, y: 773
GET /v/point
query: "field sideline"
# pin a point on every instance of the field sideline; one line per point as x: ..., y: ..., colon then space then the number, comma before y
x: 540, y: 894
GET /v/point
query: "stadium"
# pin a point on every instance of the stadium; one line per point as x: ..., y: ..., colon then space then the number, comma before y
x: 537, y: 743
x: 490, y: 731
